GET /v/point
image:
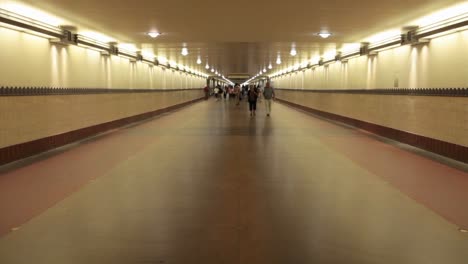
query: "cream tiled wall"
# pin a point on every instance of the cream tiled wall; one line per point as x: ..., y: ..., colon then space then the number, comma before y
x: 441, y: 63
x: 26, y: 118
x: 28, y: 60
x: 31, y: 61
x: 443, y: 118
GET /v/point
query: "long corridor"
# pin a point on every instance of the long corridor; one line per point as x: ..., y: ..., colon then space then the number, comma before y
x: 210, y: 184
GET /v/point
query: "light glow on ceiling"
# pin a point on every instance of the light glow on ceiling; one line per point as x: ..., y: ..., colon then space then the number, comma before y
x: 315, y: 60
x: 207, y: 67
x: 97, y: 36
x: 33, y: 13
x: 154, y: 34
x: 329, y: 55
x: 324, y: 34
x: 442, y: 15
x: 199, y: 60
x: 293, y: 51
x: 162, y: 60
x: 278, y: 60
x: 350, y: 47
x: 270, y: 66
x: 128, y: 46
x: 382, y: 36
x: 184, y: 51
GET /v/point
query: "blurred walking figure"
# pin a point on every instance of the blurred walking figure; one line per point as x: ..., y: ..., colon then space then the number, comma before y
x: 237, y: 93
x: 207, y: 92
x: 268, y: 95
x: 252, y: 96
x: 260, y: 92
x: 216, y: 92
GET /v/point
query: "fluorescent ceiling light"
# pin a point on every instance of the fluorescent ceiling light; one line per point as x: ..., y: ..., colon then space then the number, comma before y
x: 97, y: 36
x: 154, y: 34
x: 330, y: 55
x: 32, y: 14
x: 162, y: 60
x: 32, y: 26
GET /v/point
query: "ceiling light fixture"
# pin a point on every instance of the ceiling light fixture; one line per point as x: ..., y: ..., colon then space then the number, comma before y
x: 199, y: 60
x: 324, y: 34
x: 184, y: 51
x: 270, y: 66
x: 278, y: 60
x: 264, y: 70
x: 154, y: 34
x: 293, y: 51
x: 212, y: 70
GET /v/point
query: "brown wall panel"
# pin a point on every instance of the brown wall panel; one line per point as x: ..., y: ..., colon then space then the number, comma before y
x: 84, y: 115
x: 433, y: 123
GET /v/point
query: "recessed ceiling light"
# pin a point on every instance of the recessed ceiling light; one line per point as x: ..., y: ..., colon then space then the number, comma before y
x: 278, y: 60
x: 293, y: 51
x: 324, y: 34
x: 154, y: 34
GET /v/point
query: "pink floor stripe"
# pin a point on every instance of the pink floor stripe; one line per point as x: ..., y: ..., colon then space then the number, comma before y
x: 30, y: 190
x: 439, y: 187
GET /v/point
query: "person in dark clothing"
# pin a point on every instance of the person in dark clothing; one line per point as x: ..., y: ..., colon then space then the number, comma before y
x: 252, y: 96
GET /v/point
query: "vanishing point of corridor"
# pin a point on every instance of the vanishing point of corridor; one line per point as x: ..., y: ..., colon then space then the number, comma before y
x: 210, y: 184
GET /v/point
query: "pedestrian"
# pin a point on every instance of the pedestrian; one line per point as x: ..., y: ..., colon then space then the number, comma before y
x: 260, y: 92
x: 237, y: 93
x: 216, y: 92
x: 268, y: 95
x: 206, y: 90
x: 228, y: 91
x: 252, y: 95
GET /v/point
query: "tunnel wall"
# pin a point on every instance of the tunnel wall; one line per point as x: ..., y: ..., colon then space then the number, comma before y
x: 435, y: 123
x: 31, y: 124
x: 28, y: 60
x: 109, y: 92
x: 438, y: 123
x: 442, y: 63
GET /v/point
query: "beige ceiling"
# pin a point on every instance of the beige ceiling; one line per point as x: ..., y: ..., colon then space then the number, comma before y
x: 243, y: 35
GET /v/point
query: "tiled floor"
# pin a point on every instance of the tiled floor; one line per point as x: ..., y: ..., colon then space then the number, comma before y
x: 209, y: 184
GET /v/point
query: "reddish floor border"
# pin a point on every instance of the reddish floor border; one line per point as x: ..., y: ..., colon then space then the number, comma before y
x: 450, y: 150
x: 31, y: 148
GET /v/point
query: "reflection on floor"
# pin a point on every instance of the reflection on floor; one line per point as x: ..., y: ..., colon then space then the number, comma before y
x: 210, y: 184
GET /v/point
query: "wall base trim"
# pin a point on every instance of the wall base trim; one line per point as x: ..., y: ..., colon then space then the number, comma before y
x: 31, y: 148
x: 450, y: 150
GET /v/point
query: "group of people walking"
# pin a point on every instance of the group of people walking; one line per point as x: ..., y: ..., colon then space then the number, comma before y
x: 252, y: 93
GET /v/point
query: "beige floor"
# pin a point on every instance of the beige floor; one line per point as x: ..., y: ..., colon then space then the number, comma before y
x: 212, y: 185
